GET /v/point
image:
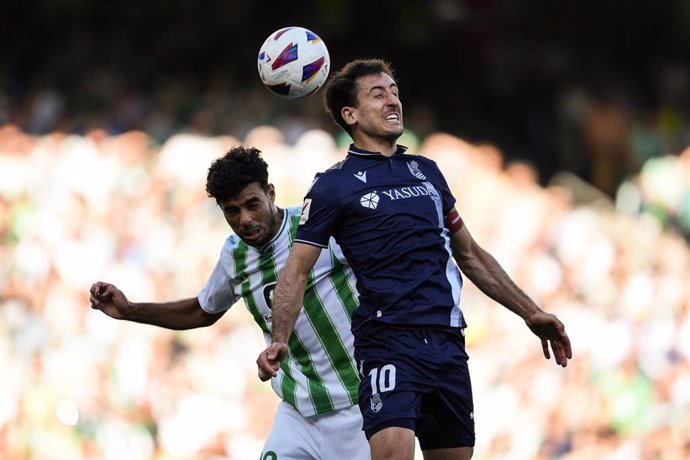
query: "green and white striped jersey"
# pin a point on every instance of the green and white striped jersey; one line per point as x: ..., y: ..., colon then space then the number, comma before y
x: 319, y: 374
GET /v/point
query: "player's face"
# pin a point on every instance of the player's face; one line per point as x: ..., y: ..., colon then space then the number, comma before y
x: 379, y: 111
x: 253, y: 215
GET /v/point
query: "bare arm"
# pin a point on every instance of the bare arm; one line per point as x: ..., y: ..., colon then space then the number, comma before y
x: 486, y: 273
x: 178, y: 314
x: 287, y: 302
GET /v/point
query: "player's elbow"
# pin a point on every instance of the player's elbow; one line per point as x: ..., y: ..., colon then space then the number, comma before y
x: 207, y: 319
x: 296, y: 273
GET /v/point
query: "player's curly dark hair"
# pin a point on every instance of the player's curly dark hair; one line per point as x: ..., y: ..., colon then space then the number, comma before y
x: 341, y: 89
x: 231, y: 173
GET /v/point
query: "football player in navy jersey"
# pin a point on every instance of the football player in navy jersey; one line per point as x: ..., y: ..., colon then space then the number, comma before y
x: 395, y: 219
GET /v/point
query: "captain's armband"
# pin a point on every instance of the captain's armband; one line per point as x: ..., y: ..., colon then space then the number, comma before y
x: 453, y: 221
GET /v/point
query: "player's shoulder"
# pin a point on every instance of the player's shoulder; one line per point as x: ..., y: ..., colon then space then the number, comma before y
x: 292, y: 216
x: 328, y: 181
x: 234, y: 243
x: 293, y: 211
x: 338, y: 168
x: 233, y: 248
x: 419, y: 158
x: 421, y: 163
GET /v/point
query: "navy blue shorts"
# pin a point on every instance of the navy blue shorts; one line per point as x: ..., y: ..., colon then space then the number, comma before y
x: 416, y: 377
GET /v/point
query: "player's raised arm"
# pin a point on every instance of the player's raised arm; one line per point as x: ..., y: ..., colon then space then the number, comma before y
x: 178, y: 314
x: 488, y: 275
x: 287, y: 302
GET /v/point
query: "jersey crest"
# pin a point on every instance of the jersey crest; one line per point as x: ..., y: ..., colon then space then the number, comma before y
x: 375, y: 402
x: 413, y: 166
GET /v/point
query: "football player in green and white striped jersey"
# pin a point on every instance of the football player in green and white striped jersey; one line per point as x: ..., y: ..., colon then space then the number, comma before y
x: 318, y: 382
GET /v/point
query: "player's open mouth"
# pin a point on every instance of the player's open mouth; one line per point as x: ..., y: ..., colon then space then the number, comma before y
x: 392, y: 118
x: 252, y: 235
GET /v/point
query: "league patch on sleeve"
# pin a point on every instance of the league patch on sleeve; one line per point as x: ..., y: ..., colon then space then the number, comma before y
x: 305, y: 211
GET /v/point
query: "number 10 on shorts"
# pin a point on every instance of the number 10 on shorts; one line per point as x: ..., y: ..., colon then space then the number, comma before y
x: 383, y: 379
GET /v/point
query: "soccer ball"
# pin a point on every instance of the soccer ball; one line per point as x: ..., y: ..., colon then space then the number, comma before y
x: 293, y: 62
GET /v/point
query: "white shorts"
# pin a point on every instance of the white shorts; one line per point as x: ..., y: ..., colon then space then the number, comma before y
x: 333, y: 436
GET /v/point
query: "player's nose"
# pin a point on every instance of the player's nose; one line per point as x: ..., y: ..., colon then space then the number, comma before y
x: 392, y: 99
x: 246, y: 217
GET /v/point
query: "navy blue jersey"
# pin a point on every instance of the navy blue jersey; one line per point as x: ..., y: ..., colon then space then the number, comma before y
x: 387, y: 214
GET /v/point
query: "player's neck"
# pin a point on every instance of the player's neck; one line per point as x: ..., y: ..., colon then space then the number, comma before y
x: 277, y: 222
x: 280, y: 215
x: 385, y: 147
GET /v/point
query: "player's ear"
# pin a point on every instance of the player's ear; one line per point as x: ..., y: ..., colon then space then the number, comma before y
x: 348, y: 115
x: 271, y: 192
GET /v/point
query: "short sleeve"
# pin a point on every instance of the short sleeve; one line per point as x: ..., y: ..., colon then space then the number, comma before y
x: 320, y: 212
x: 447, y: 198
x: 218, y: 294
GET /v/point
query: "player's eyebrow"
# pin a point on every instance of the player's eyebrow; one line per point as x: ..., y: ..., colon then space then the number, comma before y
x: 252, y: 201
x: 381, y: 87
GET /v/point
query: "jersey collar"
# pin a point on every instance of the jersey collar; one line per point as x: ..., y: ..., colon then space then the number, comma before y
x: 367, y: 154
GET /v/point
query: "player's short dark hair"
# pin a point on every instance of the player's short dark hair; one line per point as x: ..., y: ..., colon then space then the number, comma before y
x: 341, y: 89
x: 231, y: 173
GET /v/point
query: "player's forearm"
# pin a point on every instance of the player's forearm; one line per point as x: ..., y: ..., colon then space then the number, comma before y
x: 488, y: 275
x: 287, y: 302
x: 178, y: 315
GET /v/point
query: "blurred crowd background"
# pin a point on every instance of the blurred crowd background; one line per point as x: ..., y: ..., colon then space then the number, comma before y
x: 562, y: 127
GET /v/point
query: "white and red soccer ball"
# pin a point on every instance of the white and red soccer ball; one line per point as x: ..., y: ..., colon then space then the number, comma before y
x: 293, y: 62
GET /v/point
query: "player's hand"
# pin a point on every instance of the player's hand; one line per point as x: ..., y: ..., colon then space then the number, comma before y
x: 269, y: 360
x: 109, y: 299
x: 551, y: 331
